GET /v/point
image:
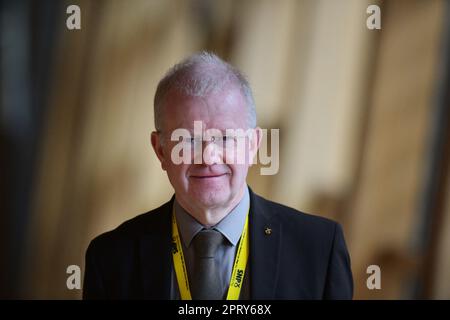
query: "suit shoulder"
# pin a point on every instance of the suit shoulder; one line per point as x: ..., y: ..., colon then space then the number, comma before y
x: 134, y: 227
x: 297, y: 217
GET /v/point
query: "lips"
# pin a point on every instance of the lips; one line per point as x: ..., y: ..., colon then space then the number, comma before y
x: 207, y: 176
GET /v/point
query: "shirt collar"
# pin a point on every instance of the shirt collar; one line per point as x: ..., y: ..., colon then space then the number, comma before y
x: 231, y: 226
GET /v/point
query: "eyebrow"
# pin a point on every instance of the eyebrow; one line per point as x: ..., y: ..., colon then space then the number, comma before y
x: 191, y: 131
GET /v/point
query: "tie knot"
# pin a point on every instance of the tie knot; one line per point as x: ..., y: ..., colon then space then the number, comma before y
x: 206, y: 243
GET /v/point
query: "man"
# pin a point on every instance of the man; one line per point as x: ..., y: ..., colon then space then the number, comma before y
x: 215, y: 239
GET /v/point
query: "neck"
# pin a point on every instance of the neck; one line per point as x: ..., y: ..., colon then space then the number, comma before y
x: 210, y: 216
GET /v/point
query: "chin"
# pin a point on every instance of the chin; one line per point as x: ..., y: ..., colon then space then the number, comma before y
x: 210, y: 198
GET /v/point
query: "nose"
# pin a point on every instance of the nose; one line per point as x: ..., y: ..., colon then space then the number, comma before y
x: 212, y: 154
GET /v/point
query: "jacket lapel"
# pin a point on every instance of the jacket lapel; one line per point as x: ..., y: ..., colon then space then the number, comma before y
x: 265, y: 244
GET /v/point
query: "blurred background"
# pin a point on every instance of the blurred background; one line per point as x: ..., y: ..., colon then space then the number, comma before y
x: 363, y: 118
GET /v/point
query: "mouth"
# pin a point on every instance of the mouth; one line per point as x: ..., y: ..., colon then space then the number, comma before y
x: 205, y: 177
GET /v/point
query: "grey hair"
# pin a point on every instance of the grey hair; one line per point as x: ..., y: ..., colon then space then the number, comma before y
x: 199, y: 75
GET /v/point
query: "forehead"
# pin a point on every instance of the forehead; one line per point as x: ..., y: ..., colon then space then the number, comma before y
x: 221, y: 110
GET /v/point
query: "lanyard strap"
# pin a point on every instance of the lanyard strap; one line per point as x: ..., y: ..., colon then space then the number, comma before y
x: 237, y: 275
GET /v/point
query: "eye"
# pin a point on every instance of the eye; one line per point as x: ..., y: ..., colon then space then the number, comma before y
x: 187, y: 139
x: 228, y: 138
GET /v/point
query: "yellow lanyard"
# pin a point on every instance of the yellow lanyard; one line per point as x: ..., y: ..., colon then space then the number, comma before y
x: 237, y: 276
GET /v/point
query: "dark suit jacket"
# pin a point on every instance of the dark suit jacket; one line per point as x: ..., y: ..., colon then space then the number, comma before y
x: 304, y: 257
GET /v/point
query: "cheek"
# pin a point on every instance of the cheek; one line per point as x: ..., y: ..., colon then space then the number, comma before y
x: 176, y: 172
x: 239, y: 172
x: 238, y: 153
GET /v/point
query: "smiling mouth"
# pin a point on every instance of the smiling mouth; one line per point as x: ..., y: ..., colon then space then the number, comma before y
x: 209, y: 176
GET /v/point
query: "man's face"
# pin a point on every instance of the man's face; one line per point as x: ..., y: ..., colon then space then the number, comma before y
x: 214, y: 182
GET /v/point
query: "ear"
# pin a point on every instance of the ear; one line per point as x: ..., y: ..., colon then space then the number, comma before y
x: 255, y: 143
x: 157, y: 147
